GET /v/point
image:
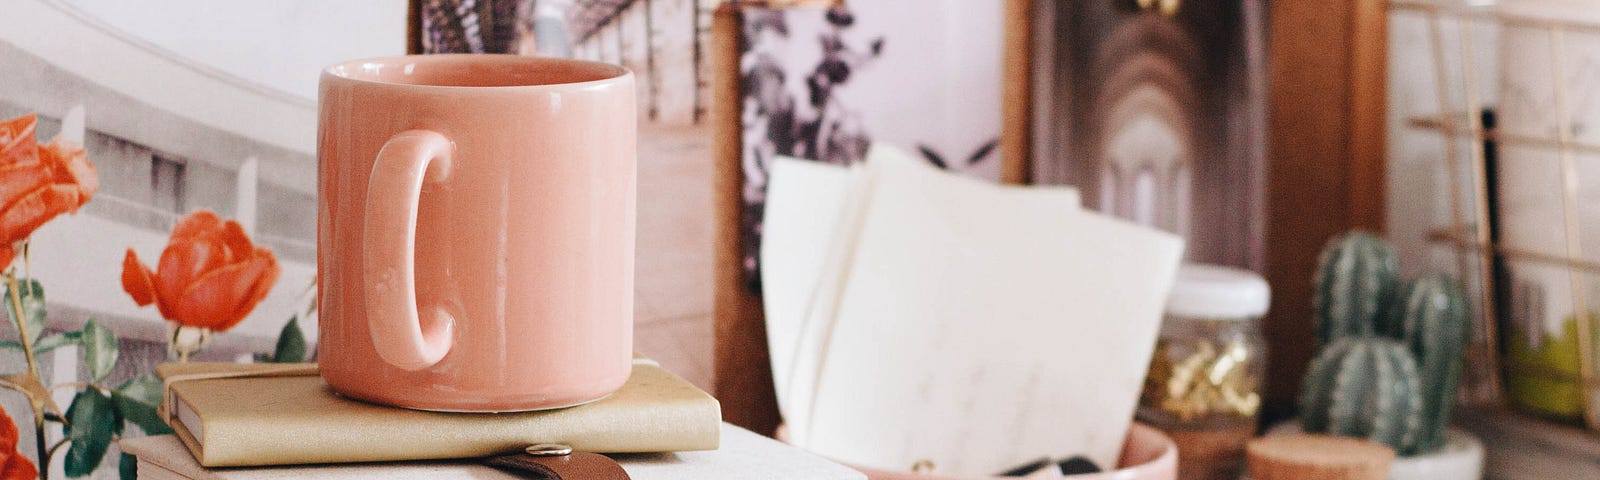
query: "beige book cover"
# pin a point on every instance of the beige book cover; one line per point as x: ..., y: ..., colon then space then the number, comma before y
x: 286, y: 415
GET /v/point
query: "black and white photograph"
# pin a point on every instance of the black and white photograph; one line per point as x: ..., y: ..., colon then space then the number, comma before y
x: 825, y: 83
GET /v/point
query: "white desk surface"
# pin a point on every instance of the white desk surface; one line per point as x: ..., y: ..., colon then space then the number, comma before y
x: 744, y: 455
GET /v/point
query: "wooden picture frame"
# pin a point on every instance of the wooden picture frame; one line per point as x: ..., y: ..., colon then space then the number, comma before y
x: 742, y: 367
x: 1326, y: 165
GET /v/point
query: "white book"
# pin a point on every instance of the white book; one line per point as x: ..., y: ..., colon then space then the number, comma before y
x: 744, y: 455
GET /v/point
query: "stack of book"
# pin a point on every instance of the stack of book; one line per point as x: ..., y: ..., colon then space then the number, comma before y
x: 242, y: 421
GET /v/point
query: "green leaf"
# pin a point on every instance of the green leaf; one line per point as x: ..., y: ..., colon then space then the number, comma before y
x: 94, y: 420
x: 137, y: 401
x: 57, y: 340
x: 11, y: 345
x: 31, y: 294
x: 99, y: 350
x: 144, y: 388
x: 291, y: 343
x: 118, y: 426
x: 128, y: 468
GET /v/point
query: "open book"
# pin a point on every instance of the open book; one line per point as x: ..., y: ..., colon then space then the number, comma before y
x: 918, y: 315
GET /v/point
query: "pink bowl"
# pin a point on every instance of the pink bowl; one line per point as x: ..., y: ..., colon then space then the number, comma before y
x: 1147, y: 455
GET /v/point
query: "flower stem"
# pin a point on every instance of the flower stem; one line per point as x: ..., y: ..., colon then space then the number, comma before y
x: 187, y: 341
x: 33, y: 368
x: 59, y: 443
x: 22, y: 325
x: 38, y: 428
x: 82, y: 385
x: 45, y: 454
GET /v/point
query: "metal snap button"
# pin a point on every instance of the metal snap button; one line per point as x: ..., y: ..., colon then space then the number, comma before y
x: 548, y: 450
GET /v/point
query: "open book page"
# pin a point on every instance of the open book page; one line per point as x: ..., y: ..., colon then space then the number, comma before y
x: 980, y: 327
x: 806, y: 201
x: 812, y: 345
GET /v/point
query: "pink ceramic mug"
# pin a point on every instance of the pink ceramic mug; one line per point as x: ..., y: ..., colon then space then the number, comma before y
x: 476, y: 230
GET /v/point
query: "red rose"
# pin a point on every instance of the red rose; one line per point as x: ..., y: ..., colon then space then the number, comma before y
x: 38, y: 183
x: 210, y: 275
x: 13, y: 466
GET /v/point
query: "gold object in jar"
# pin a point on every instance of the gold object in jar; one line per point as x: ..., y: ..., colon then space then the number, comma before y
x: 1210, y: 379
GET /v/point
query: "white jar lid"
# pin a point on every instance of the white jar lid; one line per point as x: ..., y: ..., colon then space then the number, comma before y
x: 1218, y: 293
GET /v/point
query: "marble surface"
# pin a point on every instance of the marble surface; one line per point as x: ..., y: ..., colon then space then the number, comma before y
x: 744, y: 455
x: 1522, y: 447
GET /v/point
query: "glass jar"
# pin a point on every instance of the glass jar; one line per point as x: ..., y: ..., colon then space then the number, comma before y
x: 1204, y: 383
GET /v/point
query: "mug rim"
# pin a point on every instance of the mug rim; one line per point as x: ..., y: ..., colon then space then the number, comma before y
x: 614, y: 73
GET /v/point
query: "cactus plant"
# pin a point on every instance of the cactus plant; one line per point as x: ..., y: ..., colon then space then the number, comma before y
x: 1364, y: 387
x: 1356, y: 278
x: 1389, y: 362
x: 1431, y: 318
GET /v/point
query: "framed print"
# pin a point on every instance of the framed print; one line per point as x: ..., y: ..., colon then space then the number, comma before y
x: 1156, y: 111
x: 822, y: 80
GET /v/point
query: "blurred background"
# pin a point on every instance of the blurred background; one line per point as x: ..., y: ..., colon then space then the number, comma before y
x: 1255, y: 130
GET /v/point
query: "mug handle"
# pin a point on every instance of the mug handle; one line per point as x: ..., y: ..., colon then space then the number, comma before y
x: 389, y: 238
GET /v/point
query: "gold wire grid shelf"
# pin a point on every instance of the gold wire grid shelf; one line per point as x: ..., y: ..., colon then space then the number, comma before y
x: 1480, y: 134
x: 1465, y: 241
x: 1470, y: 234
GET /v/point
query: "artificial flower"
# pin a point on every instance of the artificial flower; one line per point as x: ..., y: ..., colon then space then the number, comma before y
x: 210, y: 275
x: 38, y: 183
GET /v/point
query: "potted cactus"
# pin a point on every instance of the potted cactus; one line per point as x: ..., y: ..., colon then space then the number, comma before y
x: 1389, y: 359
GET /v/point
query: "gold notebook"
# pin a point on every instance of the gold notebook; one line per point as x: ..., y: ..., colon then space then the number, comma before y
x: 284, y: 414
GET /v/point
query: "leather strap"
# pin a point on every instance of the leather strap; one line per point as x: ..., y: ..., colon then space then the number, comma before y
x: 574, y: 466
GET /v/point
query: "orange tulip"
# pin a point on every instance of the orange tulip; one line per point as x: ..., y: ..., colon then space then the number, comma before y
x: 13, y: 466
x: 38, y: 183
x: 210, y: 275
